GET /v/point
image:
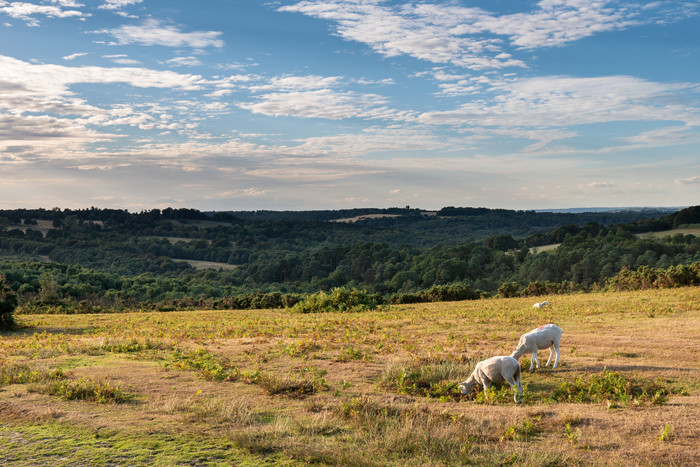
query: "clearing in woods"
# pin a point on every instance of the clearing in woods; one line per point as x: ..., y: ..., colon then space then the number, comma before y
x: 268, y: 387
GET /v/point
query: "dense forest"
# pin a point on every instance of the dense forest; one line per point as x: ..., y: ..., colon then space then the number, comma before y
x: 105, y: 259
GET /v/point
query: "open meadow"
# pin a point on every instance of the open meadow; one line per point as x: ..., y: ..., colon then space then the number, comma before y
x: 268, y: 387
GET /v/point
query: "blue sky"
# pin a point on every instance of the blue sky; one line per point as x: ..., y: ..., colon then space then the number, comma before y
x: 243, y: 104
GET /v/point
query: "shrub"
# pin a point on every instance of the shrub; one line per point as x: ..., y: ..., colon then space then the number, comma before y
x: 339, y: 299
x: 8, y: 303
x: 509, y: 290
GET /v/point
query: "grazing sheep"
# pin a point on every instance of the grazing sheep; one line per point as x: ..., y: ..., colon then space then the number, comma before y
x: 495, y: 370
x: 540, y: 305
x: 547, y: 336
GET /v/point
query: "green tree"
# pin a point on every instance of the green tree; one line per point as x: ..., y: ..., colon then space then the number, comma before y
x: 8, y: 303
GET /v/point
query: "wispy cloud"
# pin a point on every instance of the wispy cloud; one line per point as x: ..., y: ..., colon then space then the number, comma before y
x: 153, y: 32
x: 118, y: 4
x: 689, y: 181
x: 519, y: 106
x: 74, y: 56
x: 184, y: 61
x: 468, y: 36
x: 315, y: 96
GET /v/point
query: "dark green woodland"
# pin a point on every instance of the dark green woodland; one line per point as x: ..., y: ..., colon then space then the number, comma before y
x: 106, y: 260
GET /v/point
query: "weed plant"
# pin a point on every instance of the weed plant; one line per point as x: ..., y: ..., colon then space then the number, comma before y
x: 611, y: 387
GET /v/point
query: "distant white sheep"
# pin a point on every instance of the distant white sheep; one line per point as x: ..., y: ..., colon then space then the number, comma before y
x: 540, y: 305
x: 547, y: 336
x: 495, y: 370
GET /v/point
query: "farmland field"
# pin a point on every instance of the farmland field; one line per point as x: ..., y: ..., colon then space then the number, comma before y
x: 375, y: 388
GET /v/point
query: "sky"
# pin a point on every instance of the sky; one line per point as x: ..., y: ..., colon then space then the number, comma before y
x: 334, y: 104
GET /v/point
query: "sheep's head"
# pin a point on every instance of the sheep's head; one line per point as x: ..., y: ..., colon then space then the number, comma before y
x: 467, y: 386
x: 519, y: 351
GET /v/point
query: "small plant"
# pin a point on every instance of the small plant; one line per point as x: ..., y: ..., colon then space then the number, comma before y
x: 522, y: 431
x: 667, y: 433
x: 501, y: 394
x: 206, y: 364
x: 350, y: 353
x: 572, y: 435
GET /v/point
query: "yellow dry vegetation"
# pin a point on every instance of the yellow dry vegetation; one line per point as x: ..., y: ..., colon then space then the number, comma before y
x: 264, y: 387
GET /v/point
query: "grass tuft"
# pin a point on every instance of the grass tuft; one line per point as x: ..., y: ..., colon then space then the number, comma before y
x: 85, y: 389
x: 439, y: 379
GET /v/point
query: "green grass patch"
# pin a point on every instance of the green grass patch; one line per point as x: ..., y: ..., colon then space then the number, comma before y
x: 56, y: 443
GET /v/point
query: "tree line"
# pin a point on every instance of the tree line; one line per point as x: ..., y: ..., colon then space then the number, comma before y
x: 102, y: 260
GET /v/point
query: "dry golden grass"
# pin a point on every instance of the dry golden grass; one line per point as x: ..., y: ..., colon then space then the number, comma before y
x: 214, y: 376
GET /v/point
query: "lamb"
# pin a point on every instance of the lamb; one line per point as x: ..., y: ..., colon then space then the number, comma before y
x: 495, y: 370
x: 547, y: 336
x: 540, y: 305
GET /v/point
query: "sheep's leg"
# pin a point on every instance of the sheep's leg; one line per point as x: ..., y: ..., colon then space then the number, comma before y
x: 518, y: 388
x: 556, y: 360
x: 551, y: 354
x: 534, y: 360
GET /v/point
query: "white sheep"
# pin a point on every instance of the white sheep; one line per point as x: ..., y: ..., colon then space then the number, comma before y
x: 547, y: 336
x: 495, y: 370
x: 540, y: 305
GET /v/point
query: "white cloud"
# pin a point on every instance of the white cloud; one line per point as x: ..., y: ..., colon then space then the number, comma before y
x: 689, y: 181
x: 50, y: 81
x: 299, y: 83
x: 184, y: 61
x: 118, y: 4
x: 322, y: 103
x: 154, y: 32
x: 600, y: 185
x: 74, y: 56
x: 469, y: 36
x: 27, y: 11
x: 429, y: 32
x: 542, y: 107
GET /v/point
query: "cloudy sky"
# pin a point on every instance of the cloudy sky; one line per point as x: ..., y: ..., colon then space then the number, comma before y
x: 329, y: 104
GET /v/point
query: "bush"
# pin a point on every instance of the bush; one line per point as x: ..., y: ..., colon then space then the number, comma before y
x: 8, y: 303
x: 509, y: 290
x: 645, y: 277
x: 339, y: 299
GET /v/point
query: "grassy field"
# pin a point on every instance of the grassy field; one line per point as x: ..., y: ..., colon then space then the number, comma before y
x: 376, y: 388
x: 199, y: 265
